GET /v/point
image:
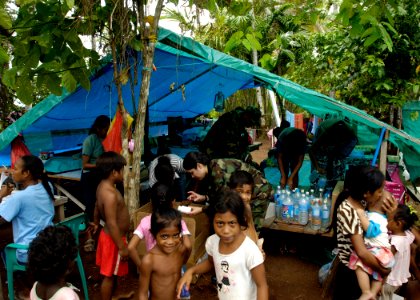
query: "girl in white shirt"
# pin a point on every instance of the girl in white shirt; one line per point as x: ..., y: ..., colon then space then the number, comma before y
x: 236, y: 259
x: 399, y: 225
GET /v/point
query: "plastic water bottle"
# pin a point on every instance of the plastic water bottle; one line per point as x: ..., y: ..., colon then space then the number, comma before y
x: 303, y: 211
x: 316, y: 215
x: 297, y: 196
x: 325, y: 214
x: 278, y: 202
x: 287, y: 208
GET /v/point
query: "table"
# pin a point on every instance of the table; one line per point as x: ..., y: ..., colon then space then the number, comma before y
x: 72, y: 176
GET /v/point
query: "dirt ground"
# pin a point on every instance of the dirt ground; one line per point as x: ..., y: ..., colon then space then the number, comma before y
x: 292, y: 264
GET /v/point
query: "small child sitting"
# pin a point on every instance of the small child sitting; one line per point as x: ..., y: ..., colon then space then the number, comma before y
x: 377, y: 242
x: 51, y: 257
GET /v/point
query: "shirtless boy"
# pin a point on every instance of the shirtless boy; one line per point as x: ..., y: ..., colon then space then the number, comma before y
x: 112, y: 252
x: 160, y: 268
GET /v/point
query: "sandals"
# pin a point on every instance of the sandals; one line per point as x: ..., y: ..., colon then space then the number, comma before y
x: 89, y: 245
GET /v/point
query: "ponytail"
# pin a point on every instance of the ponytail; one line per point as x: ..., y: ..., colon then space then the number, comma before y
x: 35, y: 167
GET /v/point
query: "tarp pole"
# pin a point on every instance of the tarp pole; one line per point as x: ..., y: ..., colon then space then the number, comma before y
x: 378, y: 147
x: 274, y: 106
x: 384, y: 150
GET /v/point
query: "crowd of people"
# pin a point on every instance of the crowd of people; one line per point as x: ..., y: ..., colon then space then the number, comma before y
x: 376, y: 239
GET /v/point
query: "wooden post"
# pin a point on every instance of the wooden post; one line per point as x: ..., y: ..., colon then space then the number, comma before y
x: 383, y: 153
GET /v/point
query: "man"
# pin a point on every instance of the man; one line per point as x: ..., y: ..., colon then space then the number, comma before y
x: 228, y: 137
x: 290, y: 148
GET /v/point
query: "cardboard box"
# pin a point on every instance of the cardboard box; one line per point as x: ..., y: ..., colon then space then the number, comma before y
x: 198, y: 226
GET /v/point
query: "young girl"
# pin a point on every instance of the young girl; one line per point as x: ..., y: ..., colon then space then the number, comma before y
x: 376, y: 239
x: 399, y: 225
x: 160, y: 268
x: 51, y: 257
x: 235, y: 257
x: 162, y: 196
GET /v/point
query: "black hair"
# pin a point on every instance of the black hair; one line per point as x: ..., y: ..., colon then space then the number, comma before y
x: 161, y: 196
x: 404, y: 214
x: 284, y: 124
x: 110, y: 161
x: 163, y: 218
x: 164, y: 172
x: 51, y: 253
x: 100, y: 122
x: 358, y: 181
x: 193, y: 158
x: 231, y: 201
x: 239, y: 178
x: 34, y: 165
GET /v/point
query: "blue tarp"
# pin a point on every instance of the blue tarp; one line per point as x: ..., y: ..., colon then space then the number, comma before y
x: 188, y: 77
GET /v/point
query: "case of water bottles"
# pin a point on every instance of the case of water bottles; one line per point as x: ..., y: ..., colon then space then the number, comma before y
x: 309, y: 210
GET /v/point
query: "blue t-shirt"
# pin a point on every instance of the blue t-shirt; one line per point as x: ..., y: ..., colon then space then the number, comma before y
x: 30, y: 211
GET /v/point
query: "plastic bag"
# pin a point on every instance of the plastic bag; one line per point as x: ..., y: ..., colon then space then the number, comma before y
x: 323, y: 272
x: 113, y: 141
x: 19, y: 149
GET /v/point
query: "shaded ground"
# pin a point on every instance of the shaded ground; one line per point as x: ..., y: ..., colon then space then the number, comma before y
x: 292, y: 264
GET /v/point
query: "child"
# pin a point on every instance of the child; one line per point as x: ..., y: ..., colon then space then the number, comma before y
x: 243, y: 183
x: 401, y: 238
x: 112, y: 252
x: 377, y: 241
x: 162, y: 196
x: 51, y: 257
x: 160, y: 269
x: 237, y: 261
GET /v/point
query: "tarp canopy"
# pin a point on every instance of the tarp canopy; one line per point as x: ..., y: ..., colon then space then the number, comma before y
x: 188, y: 77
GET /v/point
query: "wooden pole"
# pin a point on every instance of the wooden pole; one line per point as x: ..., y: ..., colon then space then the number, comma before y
x: 383, y: 153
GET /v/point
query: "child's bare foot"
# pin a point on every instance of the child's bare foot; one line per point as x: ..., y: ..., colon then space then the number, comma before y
x: 368, y: 295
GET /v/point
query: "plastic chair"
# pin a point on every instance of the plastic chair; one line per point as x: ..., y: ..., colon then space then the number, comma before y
x: 13, y: 265
x: 74, y: 223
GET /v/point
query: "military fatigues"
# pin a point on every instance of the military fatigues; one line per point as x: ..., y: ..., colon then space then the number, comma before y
x: 219, y: 174
x: 227, y: 138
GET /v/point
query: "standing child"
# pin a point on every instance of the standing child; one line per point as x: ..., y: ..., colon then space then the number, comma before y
x: 243, y: 183
x: 160, y: 268
x: 377, y: 242
x: 237, y: 261
x: 51, y: 257
x: 162, y: 197
x: 112, y: 252
x: 399, y: 225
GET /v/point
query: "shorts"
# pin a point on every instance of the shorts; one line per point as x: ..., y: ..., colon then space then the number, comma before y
x: 382, y: 254
x: 107, y: 257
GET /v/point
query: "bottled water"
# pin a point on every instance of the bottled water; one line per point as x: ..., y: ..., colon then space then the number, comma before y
x: 287, y: 208
x: 316, y: 215
x: 278, y: 201
x: 297, y: 196
x: 325, y: 215
x: 303, y: 211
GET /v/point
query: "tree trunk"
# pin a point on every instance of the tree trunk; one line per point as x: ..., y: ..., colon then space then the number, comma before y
x: 149, y: 36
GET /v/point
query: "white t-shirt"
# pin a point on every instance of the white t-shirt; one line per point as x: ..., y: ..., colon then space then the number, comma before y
x: 233, y: 271
x: 400, y: 272
x: 65, y: 293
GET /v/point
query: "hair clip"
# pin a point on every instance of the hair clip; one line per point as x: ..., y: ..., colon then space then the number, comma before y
x: 412, y: 209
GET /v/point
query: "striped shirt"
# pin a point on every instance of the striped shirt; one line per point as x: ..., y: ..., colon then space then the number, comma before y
x: 348, y: 224
x: 176, y: 163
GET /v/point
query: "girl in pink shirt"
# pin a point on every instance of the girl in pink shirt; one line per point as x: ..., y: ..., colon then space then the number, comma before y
x: 161, y: 196
x: 399, y: 225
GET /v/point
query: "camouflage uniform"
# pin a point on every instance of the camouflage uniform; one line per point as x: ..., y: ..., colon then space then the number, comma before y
x: 219, y: 174
x: 227, y: 138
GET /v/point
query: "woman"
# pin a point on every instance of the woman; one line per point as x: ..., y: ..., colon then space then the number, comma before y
x: 30, y: 209
x: 92, y: 149
x: 362, y: 185
x: 216, y: 173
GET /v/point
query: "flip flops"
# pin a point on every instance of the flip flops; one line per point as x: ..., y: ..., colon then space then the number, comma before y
x: 89, y: 245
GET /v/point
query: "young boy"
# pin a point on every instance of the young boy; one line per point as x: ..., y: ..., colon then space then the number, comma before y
x: 112, y: 252
x: 243, y: 183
